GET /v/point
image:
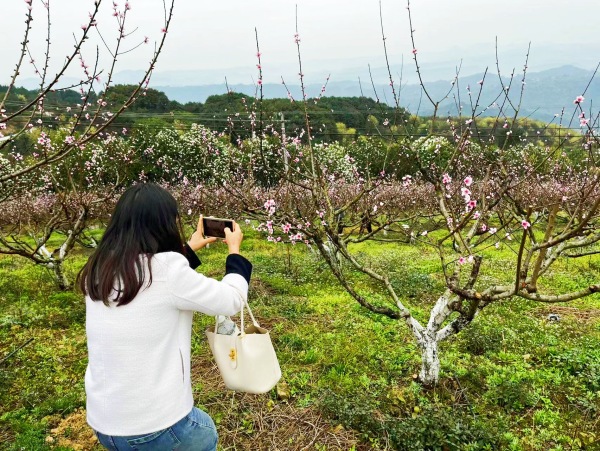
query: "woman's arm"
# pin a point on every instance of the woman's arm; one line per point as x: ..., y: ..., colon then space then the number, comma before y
x: 191, y: 256
x: 193, y: 291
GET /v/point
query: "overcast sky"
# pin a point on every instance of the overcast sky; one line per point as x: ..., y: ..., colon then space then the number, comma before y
x: 217, y: 36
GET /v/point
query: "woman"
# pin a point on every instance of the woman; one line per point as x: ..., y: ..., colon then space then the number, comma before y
x: 141, y: 291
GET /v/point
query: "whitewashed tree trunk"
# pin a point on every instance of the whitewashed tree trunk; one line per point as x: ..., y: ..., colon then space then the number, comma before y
x: 429, y: 339
x: 430, y: 361
x: 60, y: 277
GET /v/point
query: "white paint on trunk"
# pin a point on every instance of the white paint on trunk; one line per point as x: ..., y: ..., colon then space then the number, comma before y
x: 415, y: 327
x: 62, y: 252
x: 440, y: 312
x: 44, y: 252
x: 429, y: 338
x: 430, y: 361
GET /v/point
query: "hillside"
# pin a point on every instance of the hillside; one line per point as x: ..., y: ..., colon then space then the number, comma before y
x: 546, y: 92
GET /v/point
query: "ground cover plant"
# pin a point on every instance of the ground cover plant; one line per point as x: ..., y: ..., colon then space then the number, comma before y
x: 514, y: 380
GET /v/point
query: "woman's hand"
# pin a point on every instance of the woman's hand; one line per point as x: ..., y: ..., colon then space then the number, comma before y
x: 234, y: 238
x: 197, y: 241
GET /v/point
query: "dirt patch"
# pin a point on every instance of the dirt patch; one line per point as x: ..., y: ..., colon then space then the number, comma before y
x: 578, y: 314
x: 261, y: 289
x: 262, y: 422
x: 6, y: 435
x: 74, y: 433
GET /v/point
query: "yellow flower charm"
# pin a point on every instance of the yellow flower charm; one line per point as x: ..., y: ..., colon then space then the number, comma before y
x: 232, y: 354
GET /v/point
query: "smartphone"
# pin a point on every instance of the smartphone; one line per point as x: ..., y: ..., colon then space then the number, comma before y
x: 216, y: 226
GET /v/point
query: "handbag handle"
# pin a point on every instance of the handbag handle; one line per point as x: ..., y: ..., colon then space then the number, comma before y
x: 241, y: 318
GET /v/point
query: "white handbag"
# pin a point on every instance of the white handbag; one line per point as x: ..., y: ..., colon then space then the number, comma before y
x: 247, y: 361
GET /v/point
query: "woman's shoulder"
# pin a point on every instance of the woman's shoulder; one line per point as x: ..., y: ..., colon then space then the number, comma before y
x: 166, y: 260
x: 173, y: 266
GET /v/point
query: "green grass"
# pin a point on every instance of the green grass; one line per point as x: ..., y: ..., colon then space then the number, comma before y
x: 512, y: 380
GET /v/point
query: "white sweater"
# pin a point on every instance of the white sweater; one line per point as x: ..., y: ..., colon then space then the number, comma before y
x: 138, y: 376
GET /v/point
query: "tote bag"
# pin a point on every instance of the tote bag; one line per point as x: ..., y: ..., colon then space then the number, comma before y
x: 247, y: 361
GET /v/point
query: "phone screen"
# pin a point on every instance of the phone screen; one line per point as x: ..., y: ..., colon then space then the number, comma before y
x: 216, y: 227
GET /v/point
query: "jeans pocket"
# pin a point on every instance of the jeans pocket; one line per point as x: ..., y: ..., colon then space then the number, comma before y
x: 161, y: 440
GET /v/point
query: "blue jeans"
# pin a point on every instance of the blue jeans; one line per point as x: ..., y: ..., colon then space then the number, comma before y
x: 196, y: 431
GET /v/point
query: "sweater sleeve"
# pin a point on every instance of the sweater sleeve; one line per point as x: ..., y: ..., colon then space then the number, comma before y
x: 191, y: 256
x: 236, y: 264
x: 193, y: 291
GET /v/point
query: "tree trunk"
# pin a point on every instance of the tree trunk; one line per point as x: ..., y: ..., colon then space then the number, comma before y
x: 430, y: 362
x: 60, y: 277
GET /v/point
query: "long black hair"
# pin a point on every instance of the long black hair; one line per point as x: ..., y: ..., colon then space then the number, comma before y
x: 145, y: 222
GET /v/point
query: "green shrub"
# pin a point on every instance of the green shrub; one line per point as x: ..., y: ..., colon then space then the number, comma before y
x: 428, y: 427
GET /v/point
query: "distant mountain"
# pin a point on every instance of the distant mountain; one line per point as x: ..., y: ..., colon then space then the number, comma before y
x: 545, y: 93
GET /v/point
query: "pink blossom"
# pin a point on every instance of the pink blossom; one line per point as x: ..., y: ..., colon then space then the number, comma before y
x: 462, y: 260
x: 414, y: 51
x: 446, y: 179
x: 468, y: 180
x: 465, y: 191
x: 163, y: 30
x: 525, y: 224
x: 578, y: 100
x: 472, y: 204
